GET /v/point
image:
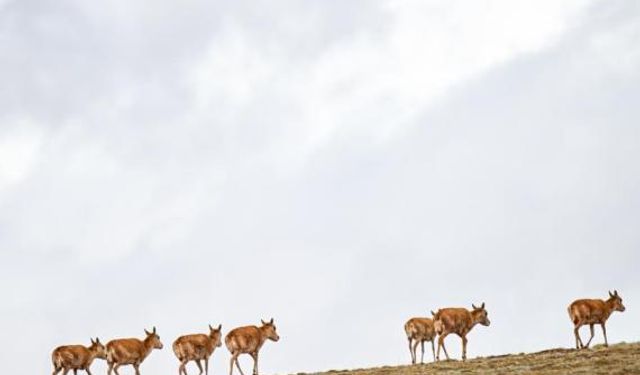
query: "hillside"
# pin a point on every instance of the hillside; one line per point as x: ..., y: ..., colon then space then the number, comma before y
x: 617, y: 359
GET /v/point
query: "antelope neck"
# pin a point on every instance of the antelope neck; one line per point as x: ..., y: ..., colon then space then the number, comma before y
x: 148, y: 345
x: 263, y: 336
x: 609, y: 303
x: 475, y: 317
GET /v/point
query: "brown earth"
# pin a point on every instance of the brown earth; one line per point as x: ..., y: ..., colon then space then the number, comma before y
x: 620, y: 358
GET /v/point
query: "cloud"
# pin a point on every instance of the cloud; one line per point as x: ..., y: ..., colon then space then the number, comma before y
x: 339, y: 167
x: 19, y: 148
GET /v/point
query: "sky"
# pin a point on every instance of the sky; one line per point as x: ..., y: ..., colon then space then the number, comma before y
x: 338, y: 166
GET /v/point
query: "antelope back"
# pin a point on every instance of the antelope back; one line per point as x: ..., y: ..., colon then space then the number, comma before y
x: 243, y: 339
x: 70, y: 356
x: 125, y: 350
x: 420, y: 329
x: 190, y: 347
x: 453, y: 319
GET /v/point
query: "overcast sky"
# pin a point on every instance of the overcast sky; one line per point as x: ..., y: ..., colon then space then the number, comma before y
x: 340, y: 166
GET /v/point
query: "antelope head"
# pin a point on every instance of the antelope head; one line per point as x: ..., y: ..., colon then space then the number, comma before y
x: 480, y: 314
x: 615, y: 301
x: 216, y: 334
x: 270, y: 330
x: 153, y: 339
x: 97, y: 348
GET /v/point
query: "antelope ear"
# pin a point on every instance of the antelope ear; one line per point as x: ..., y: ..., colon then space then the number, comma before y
x: 432, y: 313
x: 92, y: 342
x: 97, y: 340
x: 210, y: 328
x: 147, y: 332
x: 482, y: 307
x: 154, y: 330
x: 610, y: 295
x: 474, y: 306
x: 615, y: 293
x: 271, y: 321
x: 263, y: 322
x: 219, y: 327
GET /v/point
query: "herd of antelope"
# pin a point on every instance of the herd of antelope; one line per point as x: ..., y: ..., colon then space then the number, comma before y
x: 460, y: 321
x: 196, y: 347
x: 249, y: 339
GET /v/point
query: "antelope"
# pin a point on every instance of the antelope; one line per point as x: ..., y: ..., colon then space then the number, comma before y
x: 249, y: 340
x: 593, y: 311
x: 459, y: 321
x: 197, y: 347
x: 419, y: 330
x: 77, y: 357
x: 131, y: 351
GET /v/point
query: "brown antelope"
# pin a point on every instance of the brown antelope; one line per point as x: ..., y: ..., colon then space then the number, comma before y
x: 419, y: 330
x: 459, y: 321
x: 249, y: 340
x: 77, y: 357
x: 593, y: 311
x: 197, y: 347
x: 131, y: 351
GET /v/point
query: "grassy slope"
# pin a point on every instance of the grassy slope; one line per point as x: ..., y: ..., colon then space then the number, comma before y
x: 617, y: 359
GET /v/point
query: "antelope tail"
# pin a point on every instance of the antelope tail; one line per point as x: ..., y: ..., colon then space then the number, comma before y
x: 438, y: 326
x: 573, y: 318
x: 409, y: 329
x: 111, y: 354
x: 56, y: 358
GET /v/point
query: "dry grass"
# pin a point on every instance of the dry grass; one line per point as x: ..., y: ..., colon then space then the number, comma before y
x: 617, y: 359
